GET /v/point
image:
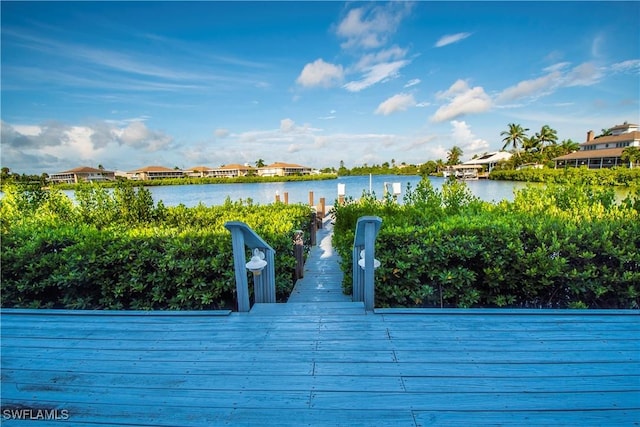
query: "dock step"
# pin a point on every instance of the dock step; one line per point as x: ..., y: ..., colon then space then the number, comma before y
x: 309, y: 309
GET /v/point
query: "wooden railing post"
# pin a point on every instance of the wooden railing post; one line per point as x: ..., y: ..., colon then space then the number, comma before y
x: 364, y: 278
x: 298, y: 251
x: 313, y: 228
x: 265, y: 282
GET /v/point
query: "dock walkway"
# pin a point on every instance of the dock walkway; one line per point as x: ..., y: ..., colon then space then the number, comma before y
x: 321, y: 360
x: 322, y: 281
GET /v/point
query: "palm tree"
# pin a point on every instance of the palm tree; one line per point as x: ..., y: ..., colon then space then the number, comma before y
x: 531, y: 144
x: 605, y: 132
x: 546, y: 135
x: 439, y: 165
x: 259, y: 163
x: 631, y: 155
x: 513, y: 136
x: 569, y: 146
x: 453, y: 155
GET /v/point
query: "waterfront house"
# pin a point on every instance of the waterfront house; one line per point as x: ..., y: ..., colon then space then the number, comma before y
x: 489, y: 160
x: 284, y: 169
x: 82, y: 174
x: 604, y: 151
x: 232, y: 171
x: 197, y: 171
x: 154, y: 172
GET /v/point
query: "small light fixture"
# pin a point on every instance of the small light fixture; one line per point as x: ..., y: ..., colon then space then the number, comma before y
x: 257, y: 263
x: 376, y: 263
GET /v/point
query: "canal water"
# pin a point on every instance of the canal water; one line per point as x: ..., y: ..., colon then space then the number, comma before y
x: 298, y: 192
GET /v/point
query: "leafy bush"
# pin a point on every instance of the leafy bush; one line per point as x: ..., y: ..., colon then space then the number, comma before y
x: 558, y: 246
x: 118, y: 250
x: 612, y: 176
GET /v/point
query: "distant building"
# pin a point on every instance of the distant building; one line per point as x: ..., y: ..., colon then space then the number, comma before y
x: 489, y: 160
x: 82, y: 174
x: 232, y: 171
x: 604, y: 151
x: 197, y: 171
x: 284, y: 169
x: 154, y: 172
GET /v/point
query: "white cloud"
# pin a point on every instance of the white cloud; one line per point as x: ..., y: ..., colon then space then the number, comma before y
x: 376, y: 74
x: 412, y: 82
x: 531, y: 88
x: 559, y: 75
x: 556, y: 67
x: 399, y: 102
x: 466, y: 140
x: 630, y: 66
x: 286, y: 125
x: 370, y: 26
x: 221, y: 133
x: 383, y: 56
x: 320, y: 73
x: 138, y: 135
x: 461, y: 100
x: 585, y: 74
x: 451, y: 38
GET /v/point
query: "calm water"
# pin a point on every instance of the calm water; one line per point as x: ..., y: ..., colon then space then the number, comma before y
x: 263, y: 193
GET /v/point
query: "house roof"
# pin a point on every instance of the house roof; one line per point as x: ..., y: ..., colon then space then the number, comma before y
x: 155, y: 169
x: 199, y: 169
x: 623, y: 126
x: 235, y: 166
x: 623, y: 137
x: 285, y: 165
x: 86, y: 169
x: 489, y: 158
x: 592, y: 154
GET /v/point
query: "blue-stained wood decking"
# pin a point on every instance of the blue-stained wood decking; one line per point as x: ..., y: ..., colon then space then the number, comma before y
x: 324, y: 363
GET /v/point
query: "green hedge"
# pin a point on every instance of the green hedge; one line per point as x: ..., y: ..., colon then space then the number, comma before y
x: 206, y: 180
x: 118, y: 250
x: 613, y: 176
x: 553, y: 247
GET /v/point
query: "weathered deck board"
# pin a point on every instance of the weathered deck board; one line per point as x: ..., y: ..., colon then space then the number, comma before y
x: 300, y: 365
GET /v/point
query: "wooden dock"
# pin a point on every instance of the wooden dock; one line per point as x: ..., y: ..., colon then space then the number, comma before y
x: 319, y: 362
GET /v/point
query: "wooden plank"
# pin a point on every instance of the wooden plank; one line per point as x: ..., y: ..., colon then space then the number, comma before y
x: 61, y: 381
x: 480, y: 370
x: 564, y: 384
x: 527, y: 418
x: 533, y: 401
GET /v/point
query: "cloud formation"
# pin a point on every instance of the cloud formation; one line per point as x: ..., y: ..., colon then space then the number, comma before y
x: 60, y: 146
x: 370, y: 26
x: 466, y: 140
x: 399, y: 102
x: 450, y: 39
x: 320, y: 73
x: 558, y: 75
x: 460, y: 100
x: 376, y: 74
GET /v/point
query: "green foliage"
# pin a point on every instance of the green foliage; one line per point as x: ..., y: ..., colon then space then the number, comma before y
x: 204, y: 180
x: 552, y: 247
x: 612, y: 176
x: 115, y: 249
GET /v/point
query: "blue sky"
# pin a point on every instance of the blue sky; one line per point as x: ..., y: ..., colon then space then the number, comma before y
x: 128, y: 85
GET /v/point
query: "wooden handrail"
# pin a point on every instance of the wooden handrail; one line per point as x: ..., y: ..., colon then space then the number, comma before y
x: 265, y: 283
x: 367, y: 229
